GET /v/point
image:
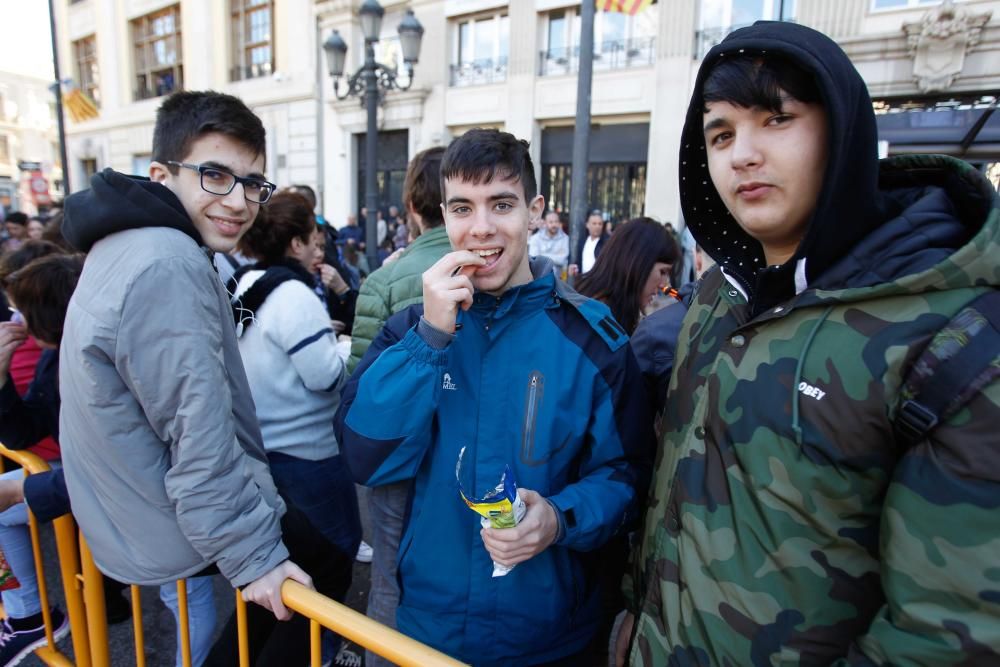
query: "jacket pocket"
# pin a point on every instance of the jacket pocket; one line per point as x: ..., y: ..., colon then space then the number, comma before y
x: 530, y: 455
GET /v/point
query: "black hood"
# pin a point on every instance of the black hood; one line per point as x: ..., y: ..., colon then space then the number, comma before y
x: 116, y: 202
x: 850, y: 205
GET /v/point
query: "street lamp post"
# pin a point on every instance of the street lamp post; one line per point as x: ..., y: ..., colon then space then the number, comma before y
x: 370, y: 81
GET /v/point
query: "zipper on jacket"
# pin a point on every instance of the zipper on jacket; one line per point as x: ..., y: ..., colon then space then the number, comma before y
x: 532, y: 405
x: 489, y: 318
x: 536, y: 385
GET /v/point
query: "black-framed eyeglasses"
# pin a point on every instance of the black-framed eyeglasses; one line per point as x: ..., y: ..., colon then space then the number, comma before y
x: 219, y: 181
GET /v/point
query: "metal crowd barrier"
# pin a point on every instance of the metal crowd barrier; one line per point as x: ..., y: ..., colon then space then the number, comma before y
x: 69, y: 566
x: 83, y: 586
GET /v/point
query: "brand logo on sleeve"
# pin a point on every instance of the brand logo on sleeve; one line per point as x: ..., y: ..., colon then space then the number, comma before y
x: 448, y: 384
x: 811, y: 391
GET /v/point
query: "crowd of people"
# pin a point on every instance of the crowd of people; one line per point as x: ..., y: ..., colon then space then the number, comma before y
x: 602, y: 455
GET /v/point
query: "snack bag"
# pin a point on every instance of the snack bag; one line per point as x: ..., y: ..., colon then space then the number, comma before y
x: 501, y: 507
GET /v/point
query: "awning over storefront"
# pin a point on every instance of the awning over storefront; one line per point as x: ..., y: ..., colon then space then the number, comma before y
x: 967, y: 133
x: 627, y: 142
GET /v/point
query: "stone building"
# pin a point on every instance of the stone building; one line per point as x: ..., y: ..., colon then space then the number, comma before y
x: 30, y: 173
x: 931, y: 66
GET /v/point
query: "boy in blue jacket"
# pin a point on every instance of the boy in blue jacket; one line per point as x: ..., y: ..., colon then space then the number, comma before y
x: 510, y: 364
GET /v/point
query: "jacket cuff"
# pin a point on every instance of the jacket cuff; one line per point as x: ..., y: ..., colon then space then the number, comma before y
x: 433, y: 336
x: 251, y: 573
x: 560, y: 519
x: 421, y: 350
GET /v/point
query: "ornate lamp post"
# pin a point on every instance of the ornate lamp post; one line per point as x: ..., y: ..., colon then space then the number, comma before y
x: 372, y: 80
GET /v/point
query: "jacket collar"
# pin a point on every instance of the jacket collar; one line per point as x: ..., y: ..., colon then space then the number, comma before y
x: 530, y: 296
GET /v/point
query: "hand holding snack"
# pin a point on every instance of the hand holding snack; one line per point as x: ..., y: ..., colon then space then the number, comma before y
x: 531, y: 536
x: 448, y: 286
x: 500, y: 509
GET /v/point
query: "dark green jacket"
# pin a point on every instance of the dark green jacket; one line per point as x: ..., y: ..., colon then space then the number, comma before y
x: 787, y: 526
x: 786, y: 523
x: 392, y: 288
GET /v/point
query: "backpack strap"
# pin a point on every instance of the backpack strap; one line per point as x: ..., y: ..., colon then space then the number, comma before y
x: 961, y: 359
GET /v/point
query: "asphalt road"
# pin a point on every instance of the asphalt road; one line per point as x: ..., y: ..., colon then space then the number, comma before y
x: 158, y: 624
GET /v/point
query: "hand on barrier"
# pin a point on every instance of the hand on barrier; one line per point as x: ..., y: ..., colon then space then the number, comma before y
x: 533, y: 535
x: 266, y: 591
x: 621, y: 641
x: 11, y: 336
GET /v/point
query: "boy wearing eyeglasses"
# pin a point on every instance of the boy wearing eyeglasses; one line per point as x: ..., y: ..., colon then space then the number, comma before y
x: 163, y: 454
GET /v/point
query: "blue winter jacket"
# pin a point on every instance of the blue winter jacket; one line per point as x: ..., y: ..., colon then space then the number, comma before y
x: 541, y: 379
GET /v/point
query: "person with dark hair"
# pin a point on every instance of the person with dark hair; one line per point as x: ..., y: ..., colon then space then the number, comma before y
x: 828, y: 488
x: 396, y: 286
x: 41, y: 290
x: 36, y: 227
x: 630, y: 271
x: 633, y: 267
x: 589, y: 247
x: 163, y: 454
x: 53, y: 231
x: 397, y: 228
x: 16, y: 259
x: 336, y: 283
x: 390, y: 289
x: 502, y: 368
x: 16, y: 227
x: 295, y: 371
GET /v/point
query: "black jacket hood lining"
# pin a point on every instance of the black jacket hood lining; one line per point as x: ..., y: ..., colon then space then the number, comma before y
x: 849, y: 205
x: 115, y: 203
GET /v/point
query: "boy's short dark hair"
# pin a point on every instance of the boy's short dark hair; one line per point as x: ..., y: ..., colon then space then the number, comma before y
x: 422, y: 187
x: 288, y: 215
x: 754, y: 81
x: 18, y: 218
x: 186, y: 116
x: 41, y: 291
x: 481, y: 154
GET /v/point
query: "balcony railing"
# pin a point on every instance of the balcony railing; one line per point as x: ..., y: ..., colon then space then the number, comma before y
x: 618, y: 54
x: 479, y: 72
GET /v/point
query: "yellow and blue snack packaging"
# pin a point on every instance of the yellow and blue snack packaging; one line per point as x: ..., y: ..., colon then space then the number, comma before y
x: 501, y: 507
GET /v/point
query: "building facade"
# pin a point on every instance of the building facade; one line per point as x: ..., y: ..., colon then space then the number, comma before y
x: 930, y: 66
x: 30, y: 169
x: 128, y: 54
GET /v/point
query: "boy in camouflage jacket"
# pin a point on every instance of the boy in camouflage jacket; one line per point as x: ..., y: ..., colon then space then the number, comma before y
x: 785, y: 523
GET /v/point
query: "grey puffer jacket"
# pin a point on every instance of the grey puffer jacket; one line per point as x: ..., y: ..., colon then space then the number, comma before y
x: 163, y: 455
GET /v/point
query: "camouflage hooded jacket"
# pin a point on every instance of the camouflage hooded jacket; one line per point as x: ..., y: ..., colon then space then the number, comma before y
x: 785, y: 525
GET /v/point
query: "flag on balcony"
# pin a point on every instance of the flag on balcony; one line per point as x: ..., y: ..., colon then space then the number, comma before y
x: 79, y: 105
x: 630, y: 7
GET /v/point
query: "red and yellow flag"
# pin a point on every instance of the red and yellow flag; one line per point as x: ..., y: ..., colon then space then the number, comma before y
x: 79, y: 105
x: 630, y: 7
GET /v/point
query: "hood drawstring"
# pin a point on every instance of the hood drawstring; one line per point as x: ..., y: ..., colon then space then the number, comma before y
x: 798, y: 374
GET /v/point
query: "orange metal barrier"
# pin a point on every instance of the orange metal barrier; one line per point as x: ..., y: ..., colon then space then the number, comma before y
x: 83, y: 586
x: 390, y: 644
x: 65, y: 533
